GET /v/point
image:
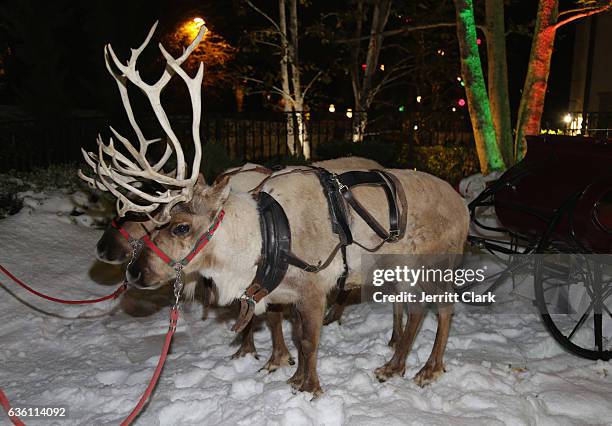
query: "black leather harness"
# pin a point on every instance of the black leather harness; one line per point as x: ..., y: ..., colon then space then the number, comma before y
x: 276, y: 255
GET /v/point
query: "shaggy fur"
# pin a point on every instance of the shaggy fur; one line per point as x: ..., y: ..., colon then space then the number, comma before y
x: 437, y: 223
x: 113, y: 248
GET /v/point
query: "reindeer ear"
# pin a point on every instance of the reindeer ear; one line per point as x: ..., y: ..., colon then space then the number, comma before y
x: 220, y: 191
x: 213, y: 197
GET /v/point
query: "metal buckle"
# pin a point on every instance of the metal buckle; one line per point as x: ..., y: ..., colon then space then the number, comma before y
x: 393, y: 236
x: 341, y: 187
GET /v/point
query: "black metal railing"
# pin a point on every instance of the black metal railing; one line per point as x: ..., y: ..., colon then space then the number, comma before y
x: 592, y: 124
x: 29, y: 143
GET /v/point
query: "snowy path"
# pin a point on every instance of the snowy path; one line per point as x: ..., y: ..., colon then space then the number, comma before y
x: 97, y: 360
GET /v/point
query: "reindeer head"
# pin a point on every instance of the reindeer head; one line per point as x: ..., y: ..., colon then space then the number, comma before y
x: 114, y: 246
x: 191, y: 223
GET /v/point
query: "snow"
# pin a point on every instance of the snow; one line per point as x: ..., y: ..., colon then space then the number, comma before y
x: 97, y: 360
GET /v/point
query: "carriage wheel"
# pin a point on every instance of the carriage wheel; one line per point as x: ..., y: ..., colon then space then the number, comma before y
x: 575, y: 302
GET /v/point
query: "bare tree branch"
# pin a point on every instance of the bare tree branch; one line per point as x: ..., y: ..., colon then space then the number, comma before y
x: 315, y: 78
x: 273, y: 87
x: 584, y: 14
x: 405, y: 31
x: 264, y: 14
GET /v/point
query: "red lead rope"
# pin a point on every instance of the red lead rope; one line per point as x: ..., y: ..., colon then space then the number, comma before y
x: 174, y: 315
x: 17, y: 281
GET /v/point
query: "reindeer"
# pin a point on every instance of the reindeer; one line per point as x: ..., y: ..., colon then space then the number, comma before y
x: 114, y: 247
x: 217, y: 233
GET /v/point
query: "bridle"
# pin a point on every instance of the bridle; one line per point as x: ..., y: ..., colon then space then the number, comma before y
x: 197, y: 247
x: 177, y: 265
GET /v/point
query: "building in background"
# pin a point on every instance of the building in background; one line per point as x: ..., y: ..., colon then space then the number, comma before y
x: 590, y: 103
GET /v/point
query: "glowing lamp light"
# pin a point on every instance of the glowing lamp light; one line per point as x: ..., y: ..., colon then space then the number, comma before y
x: 418, y: 99
x: 454, y: 109
x: 401, y: 108
x: 349, y: 113
x: 478, y: 41
x: 332, y: 108
x: 382, y: 67
x: 192, y: 27
x: 459, y: 79
x: 461, y: 102
x: 567, y: 119
x: 416, y: 127
x: 462, y: 83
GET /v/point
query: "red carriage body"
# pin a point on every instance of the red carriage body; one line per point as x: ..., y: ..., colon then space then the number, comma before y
x: 562, y: 191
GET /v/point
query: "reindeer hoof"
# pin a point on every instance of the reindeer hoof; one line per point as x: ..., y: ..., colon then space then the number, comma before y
x: 274, y: 363
x: 242, y: 352
x: 296, y: 381
x: 428, y: 374
x: 389, y: 370
x: 311, y: 386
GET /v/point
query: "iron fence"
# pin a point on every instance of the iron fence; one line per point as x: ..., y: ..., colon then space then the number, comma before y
x: 28, y: 143
x: 592, y: 124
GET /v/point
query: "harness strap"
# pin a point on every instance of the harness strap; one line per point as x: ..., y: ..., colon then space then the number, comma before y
x: 198, y: 246
x: 379, y: 178
x: 259, y: 169
x: 122, y: 231
x: 150, y: 244
x: 335, y: 205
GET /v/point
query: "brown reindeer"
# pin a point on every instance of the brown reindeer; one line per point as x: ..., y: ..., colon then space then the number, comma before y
x: 114, y: 247
x: 437, y: 222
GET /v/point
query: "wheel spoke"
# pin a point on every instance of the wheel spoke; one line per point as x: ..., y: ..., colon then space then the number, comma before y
x: 580, y: 321
x: 597, y: 328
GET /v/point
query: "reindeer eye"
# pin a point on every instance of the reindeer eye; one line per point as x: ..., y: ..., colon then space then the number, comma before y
x: 181, y: 229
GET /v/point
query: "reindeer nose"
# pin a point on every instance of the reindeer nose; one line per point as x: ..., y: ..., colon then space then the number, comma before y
x: 133, y: 275
x: 101, y: 251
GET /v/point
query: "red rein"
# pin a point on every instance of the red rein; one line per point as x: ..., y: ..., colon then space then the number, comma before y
x: 17, y: 281
x: 174, y: 315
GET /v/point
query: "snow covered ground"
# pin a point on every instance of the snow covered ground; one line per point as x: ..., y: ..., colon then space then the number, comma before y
x: 97, y: 360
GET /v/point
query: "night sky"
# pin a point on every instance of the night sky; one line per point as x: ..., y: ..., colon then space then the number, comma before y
x: 66, y: 48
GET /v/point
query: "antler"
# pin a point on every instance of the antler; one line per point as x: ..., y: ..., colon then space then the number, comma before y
x: 121, y: 173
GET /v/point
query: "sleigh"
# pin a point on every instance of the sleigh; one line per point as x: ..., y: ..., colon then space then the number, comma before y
x: 554, y: 212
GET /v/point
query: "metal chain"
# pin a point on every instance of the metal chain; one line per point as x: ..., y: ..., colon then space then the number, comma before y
x: 178, y: 284
x: 136, y: 247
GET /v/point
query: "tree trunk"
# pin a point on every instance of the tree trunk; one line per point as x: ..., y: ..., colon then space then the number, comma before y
x: 298, y: 96
x: 284, y: 68
x: 239, y: 97
x: 360, y: 121
x: 362, y: 87
x: 478, y: 101
x: 498, y: 78
x: 536, y: 81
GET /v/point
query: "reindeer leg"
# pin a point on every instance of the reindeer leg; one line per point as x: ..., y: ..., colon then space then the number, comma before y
x: 311, y: 315
x: 206, y: 297
x: 247, y: 346
x: 337, y: 309
x: 280, y: 354
x: 298, y: 377
x: 397, y: 364
x: 434, y: 367
x: 398, y: 318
